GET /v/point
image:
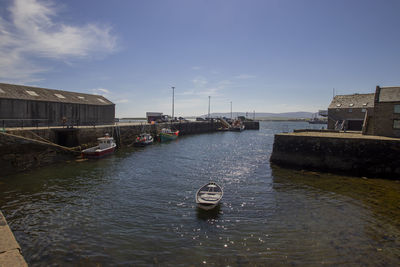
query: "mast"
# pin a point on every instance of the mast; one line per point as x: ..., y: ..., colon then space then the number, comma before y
x: 173, y: 96
x: 209, y: 100
x: 231, y: 109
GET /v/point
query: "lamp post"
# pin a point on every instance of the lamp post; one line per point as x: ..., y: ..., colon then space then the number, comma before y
x: 173, y: 96
x: 231, y: 109
x: 209, y: 100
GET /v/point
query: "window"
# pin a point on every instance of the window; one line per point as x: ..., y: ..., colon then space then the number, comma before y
x: 350, y: 110
x: 81, y: 97
x: 32, y: 93
x: 338, y: 105
x: 396, y: 108
x: 59, y: 95
x: 365, y: 104
x: 2, y: 91
x: 396, y: 124
x: 351, y: 105
x: 363, y: 110
x: 101, y: 100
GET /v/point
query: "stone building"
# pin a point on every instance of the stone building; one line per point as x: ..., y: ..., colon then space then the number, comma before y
x: 386, y: 118
x: 347, y: 112
x: 32, y: 106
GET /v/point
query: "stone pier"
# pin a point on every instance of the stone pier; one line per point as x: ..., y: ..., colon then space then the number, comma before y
x: 10, y: 251
x: 347, y: 153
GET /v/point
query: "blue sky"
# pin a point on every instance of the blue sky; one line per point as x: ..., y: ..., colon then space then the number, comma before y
x: 267, y: 56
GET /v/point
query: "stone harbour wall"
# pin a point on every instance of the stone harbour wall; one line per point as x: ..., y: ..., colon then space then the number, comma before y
x: 19, y: 154
x: 26, y: 149
x: 359, y: 157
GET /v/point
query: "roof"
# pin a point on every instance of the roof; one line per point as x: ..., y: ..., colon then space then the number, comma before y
x: 13, y: 91
x: 389, y: 94
x: 353, y: 101
x: 153, y: 114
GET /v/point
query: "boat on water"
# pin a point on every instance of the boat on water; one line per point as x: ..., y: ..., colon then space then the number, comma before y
x: 167, y: 134
x: 237, y: 126
x: 143, y: 140
x: 105, y: 147
x: 209, y: 196
x: 317, y: 121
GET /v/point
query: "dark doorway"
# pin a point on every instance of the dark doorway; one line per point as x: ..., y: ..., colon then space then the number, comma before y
x: 354, y: 125
x: 66, y: 137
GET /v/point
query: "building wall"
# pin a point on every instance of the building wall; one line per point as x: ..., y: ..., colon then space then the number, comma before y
x: 384, y: 116
x: 42, y: 113
x: 335, y: 114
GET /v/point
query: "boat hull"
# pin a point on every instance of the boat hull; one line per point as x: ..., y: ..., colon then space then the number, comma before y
x: 209, y: 196
x: 237, y: 129
x: 142, y: 144
x: 167, y: 137
x: 98, y: 154
x: 207, y: 206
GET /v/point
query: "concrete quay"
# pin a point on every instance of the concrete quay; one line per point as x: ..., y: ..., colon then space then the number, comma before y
x: 10, y: 251
x: 339, y: 152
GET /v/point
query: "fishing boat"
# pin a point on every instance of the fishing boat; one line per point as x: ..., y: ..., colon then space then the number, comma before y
x: 143, y: 140
x: 105, y: 147
x: 208, y: 196
x: 167, y: 134
x: 237, y: 126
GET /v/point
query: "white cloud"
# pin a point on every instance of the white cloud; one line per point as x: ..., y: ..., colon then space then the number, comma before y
x: 32, y: 32
x: 245, y: 76
x: 199, y: 81
x: 115, y: 98
x: 204, y: 88
x: 101, y: 91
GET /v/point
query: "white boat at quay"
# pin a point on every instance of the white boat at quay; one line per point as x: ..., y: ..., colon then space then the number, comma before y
x: 209, y: 196
x: 106, y: 146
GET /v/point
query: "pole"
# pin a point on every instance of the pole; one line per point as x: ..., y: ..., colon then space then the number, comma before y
x: 173, y: 96
x: 231, y: 109
x: 254, y: 115
x: 209, y: 100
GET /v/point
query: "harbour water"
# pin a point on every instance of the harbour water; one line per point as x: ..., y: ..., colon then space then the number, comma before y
x: 137, y: 208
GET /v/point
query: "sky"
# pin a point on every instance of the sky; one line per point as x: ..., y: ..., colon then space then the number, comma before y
x: 264, y: 56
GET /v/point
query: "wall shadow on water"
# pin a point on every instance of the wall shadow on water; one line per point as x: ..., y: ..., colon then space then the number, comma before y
x: 381, y: 196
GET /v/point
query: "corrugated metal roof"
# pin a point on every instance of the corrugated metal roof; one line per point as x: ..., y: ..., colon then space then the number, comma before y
x: 389, y: 94
x: 13, y: 91
x: 353, y: 101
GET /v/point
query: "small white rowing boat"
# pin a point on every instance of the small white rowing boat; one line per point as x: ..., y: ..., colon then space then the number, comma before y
x: 208, y: 196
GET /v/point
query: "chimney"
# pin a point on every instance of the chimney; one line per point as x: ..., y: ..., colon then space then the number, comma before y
x: 377, y: 93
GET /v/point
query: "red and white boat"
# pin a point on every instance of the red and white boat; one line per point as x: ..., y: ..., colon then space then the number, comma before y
x: 105, y: 147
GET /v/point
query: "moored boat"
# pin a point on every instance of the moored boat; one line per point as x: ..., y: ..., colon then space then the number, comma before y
x: 317, y: 121
x: 105, y: 147
x: 209, y: 196
x: 168, y: 135
x: 237, y: 126
x: 144, y: 140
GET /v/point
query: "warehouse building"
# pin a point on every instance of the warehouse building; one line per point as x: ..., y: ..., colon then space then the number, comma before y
x: 33, y: 106
x: 347, y: 112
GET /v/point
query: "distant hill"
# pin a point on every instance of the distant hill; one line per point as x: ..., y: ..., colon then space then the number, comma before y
x: 260, y: 115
